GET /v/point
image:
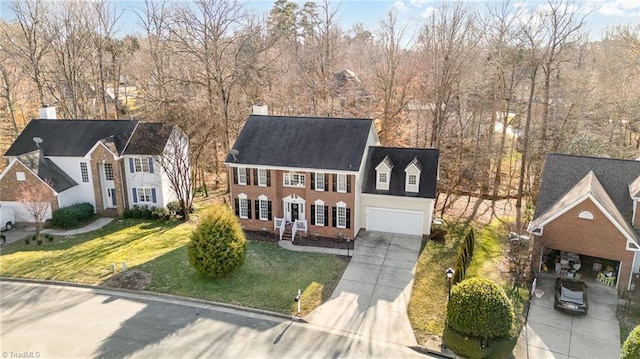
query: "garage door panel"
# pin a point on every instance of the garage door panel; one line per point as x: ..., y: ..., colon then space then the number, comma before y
x: 394, y: 221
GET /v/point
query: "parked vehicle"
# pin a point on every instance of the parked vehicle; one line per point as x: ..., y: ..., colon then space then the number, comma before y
x: 571, y: 296
x: 7, y: 218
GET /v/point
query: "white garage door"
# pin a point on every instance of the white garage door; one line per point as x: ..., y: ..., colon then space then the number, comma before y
x: 394, y: 221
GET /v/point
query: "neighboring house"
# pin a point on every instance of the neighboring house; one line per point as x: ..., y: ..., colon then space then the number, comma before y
x: 589, y: 206
x: 328, y: 177
x: 112, y: 164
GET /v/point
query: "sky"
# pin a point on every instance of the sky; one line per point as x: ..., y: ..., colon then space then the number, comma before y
x: 601, y: 13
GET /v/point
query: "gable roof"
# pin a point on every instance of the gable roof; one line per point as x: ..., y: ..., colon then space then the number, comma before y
x: 75, y: 138
x: 588, y: 188
x: 48, y: 171
x: 403, y: 157
x: 302, y: 142
x: 149, y: 139
x: 562, y: 172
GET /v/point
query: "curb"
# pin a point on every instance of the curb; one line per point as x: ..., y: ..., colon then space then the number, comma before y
x: 153, y: 296
x: 424, y: 350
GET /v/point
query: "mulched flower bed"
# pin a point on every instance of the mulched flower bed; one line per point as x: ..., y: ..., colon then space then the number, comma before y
x: 314, y: 241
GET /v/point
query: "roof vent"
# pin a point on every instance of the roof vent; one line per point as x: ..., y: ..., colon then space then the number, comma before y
x: 38, y: 141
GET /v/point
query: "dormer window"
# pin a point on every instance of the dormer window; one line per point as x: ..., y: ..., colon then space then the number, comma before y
x: 383, y: 174
x: 412, y: 174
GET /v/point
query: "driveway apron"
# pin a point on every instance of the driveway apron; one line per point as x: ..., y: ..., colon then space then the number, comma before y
x: 372, y: 296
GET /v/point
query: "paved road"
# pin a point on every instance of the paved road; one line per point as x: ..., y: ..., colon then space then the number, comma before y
x: 56, y: 321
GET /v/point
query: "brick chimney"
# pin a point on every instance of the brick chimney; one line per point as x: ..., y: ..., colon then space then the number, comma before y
x: 48, y: 112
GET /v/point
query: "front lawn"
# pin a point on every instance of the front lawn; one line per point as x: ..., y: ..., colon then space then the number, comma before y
x: 269, y: 278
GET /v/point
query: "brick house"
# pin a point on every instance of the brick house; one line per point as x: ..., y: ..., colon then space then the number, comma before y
x: 587, y: 210
x: 328, y: 177
x: 113, y: 165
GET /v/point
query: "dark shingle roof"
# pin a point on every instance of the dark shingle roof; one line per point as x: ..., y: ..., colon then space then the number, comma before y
x: 401, y: 158
x: 71, y: 137
x: 148, y: 139
x: 47, y: 171
x: 302, y: 142
x: 562, y: 172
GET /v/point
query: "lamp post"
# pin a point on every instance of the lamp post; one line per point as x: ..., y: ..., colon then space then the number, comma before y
x: 449, y: 272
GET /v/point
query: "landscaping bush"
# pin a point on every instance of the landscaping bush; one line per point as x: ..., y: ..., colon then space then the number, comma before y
x: 49, y: 237
x: 27, y: 241
x: 469, y: 347
x: 480, y: 308
x: 72, y: 216
x: 39, y: 241
x: 218, y: 244
x: 161, y: 214
x: 34, y: 237
x: 631, y: 346
x: 175, y: 209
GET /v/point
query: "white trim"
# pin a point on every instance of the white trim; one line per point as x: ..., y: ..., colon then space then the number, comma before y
x: 260, y: 183
x: 242, y: 179
x: 319, y: 204
x: 585, y: 215
x: 301, y: 179
x: 99, y: 143
x: 16, y: 160
x: 262, y: 198
x: 576, y: 203
x: 345, y: 179
x: 290, y: 169
x: 382, y: 186
x: 338, y: 206
x: 315, y: 180
x: 243, y: 197
x: 412, y: 170
x: 388, y: 196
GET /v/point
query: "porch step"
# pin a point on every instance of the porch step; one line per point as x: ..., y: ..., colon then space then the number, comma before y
x: 109, y: 212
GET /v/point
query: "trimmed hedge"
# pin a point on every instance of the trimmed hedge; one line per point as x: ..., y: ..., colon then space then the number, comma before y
x: 631, y: 346
x: 72, y: 216
x: 218, y: 244
x: 480, y: 308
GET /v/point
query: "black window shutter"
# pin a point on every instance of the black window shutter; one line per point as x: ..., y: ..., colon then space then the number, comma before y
x: 269, y: 209
x: 326, y: 182
x: 235, y: 175
x: 335, y: 183
x: 247, y: 178
x: 313, y: 182
x: 269, y: 179
x: 313, y: 214
x: 348, y: 217
x: 255, y: 176
x: 326, y: 216
x: 237, y: 207
x: 349, y: 184
x: 249, y: 208
x: 334, y: 212
x: 257, y: 205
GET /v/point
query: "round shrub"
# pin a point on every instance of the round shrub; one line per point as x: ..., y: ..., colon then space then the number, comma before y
x: 480, y: 308
x: 631, y: 346
x: 218, y: 244
x: 72, y: 216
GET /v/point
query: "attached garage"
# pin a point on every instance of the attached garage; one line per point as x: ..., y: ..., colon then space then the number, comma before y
x: 394, y: 221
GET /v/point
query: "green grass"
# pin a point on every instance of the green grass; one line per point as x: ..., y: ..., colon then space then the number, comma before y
x: 269, y: 278
x: 427, y: 307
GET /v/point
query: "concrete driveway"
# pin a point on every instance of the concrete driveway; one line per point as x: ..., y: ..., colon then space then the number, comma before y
x: 372, y: 295
x: 553, y: 334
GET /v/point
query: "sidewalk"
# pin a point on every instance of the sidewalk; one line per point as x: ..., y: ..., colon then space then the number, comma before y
x: 311, y: 249
x: 18, y: 234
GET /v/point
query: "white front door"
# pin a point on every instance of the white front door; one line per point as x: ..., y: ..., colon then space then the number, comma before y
x: 293, y: 208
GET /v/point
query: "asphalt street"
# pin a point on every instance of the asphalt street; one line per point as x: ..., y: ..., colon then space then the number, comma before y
x: 62, y: 321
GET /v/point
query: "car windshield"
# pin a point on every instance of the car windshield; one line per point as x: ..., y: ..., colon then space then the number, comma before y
x: 572, y: 293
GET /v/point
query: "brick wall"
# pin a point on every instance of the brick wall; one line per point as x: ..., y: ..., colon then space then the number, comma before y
x: 596, y: 238
x: 100, y: 156
x: 10, y: 187
x: 276, y: 192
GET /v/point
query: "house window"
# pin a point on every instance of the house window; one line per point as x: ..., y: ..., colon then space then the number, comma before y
x: 262, y: 177
x: 108, y: 171
x: 20, y: 176
x: 341, y: 216
x: 585, y: 215
x: 412, y: 180
x: 141, y: 164
x: 242, y: 175
x: 342, y: 183
x: 382, y: 177
x: 293, y: 179
x: 84, y: 171
x: 145, y: 195
x: 263, y: 208
x: 320, y: 181
x: 243, y: 206
x: 319, y: 213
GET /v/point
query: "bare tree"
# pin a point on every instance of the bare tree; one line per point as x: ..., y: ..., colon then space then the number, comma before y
x: 394, y: 71
x: 176, y: 167
x: 36, y: 203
